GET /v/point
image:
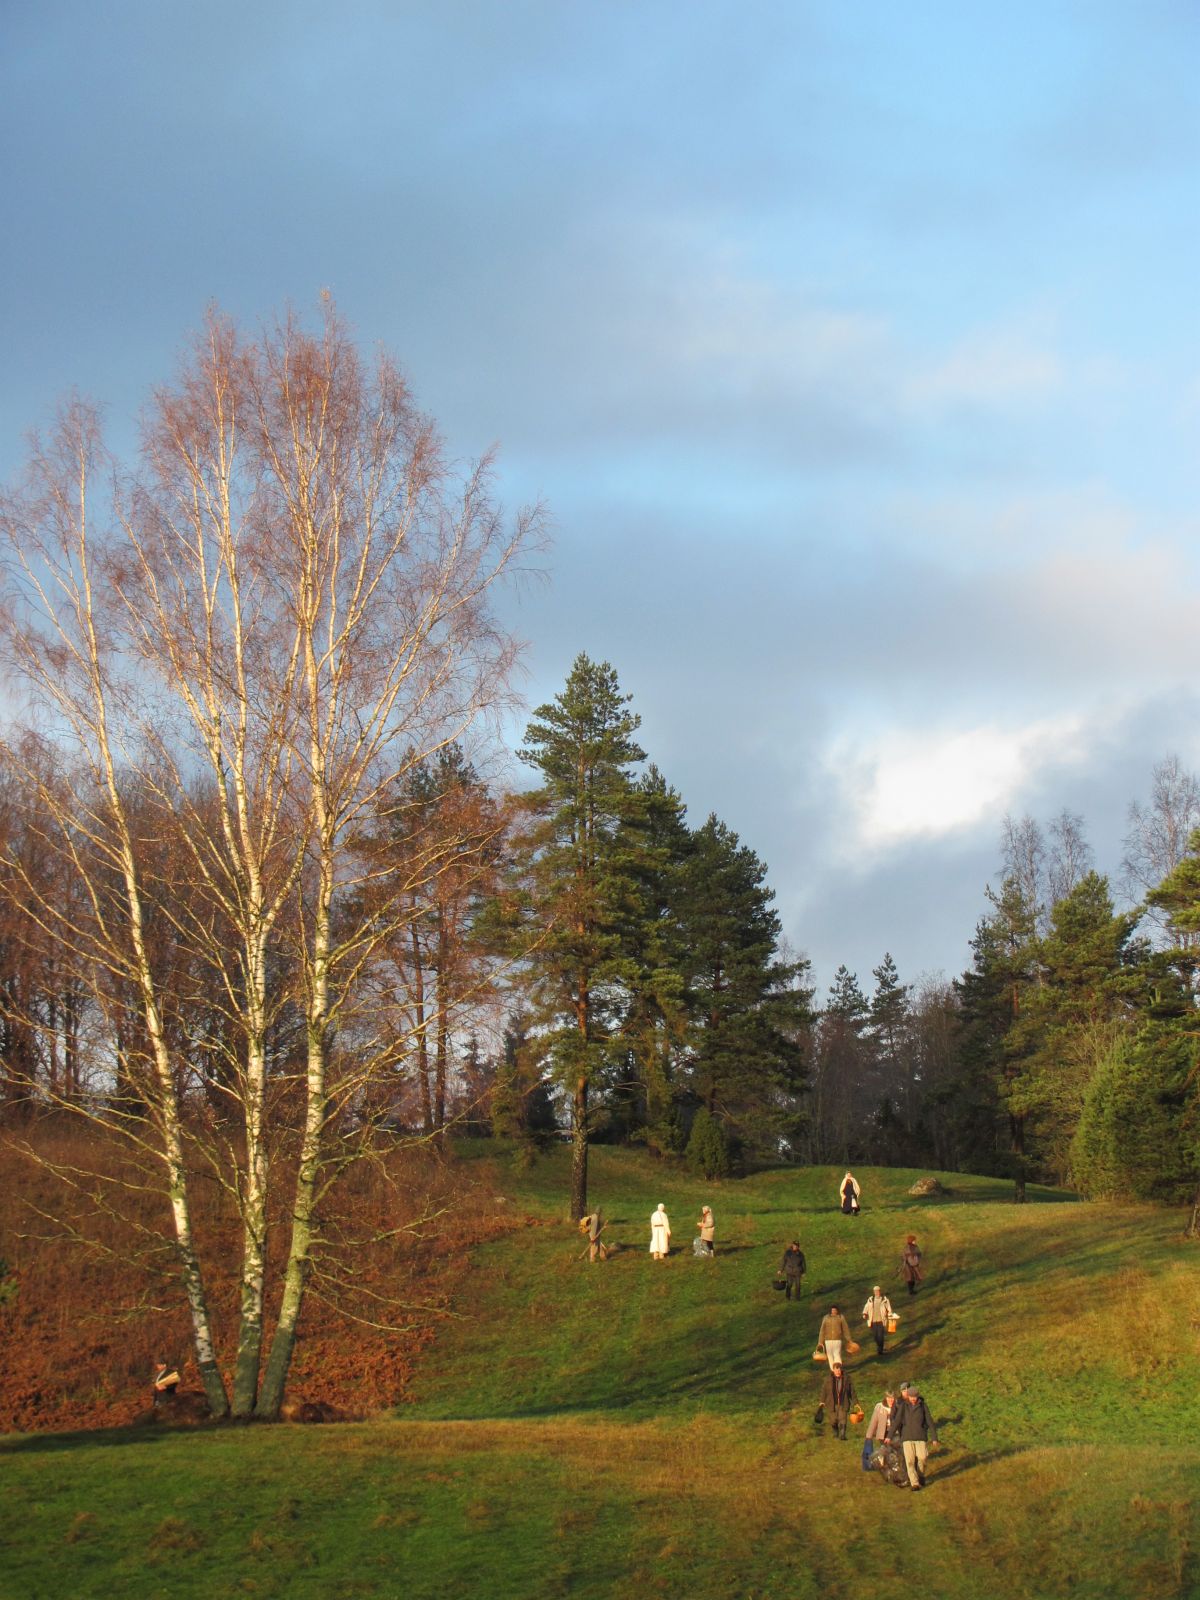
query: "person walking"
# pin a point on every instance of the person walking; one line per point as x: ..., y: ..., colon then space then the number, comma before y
x: 660, y: 1233
x: 850, y: 1194
x: 708, y: 1230
x: 910, y: 1263
x: 877, y: 1427
x: 835, y: 1333
x: 837, y: 1397
x: 915, y: 1431
x: 792, y: 1268
x: 876, y: 1314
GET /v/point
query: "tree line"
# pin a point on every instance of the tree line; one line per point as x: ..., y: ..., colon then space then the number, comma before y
x: 1067, y: 1051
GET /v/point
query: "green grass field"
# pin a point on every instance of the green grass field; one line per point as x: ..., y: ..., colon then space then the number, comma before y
x: 643, y: 1428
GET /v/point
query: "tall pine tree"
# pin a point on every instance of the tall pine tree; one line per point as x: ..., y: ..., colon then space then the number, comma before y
x: 750, y: 1008
x: 583, y: 885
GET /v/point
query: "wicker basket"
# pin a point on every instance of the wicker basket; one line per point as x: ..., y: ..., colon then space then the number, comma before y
x: 851, y: 1347
x: 819, y: 1355
x: 857, y: 1414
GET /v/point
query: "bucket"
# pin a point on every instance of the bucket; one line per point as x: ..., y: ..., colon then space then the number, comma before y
x: 857, y: 1414
x: 893, y: 1324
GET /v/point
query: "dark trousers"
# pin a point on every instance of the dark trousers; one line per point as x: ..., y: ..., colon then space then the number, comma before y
x: 793, y: 1288
x: 878, y: 1329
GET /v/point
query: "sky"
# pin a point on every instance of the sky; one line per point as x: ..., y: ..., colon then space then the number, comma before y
x: 852, y: 349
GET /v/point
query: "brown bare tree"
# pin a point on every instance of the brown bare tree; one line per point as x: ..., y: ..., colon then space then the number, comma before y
x: 284, y: 611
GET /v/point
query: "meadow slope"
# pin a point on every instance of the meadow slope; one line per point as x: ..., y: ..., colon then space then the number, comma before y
x: 640, y: 1428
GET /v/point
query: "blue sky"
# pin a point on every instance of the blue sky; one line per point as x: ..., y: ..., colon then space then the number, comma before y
x: 853, y: 349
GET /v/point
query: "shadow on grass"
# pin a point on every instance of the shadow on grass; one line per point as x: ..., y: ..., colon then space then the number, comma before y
x: 940, y: 1469
x: 29, y: 1444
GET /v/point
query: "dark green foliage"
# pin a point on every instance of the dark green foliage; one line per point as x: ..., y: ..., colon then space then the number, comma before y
x: 708, y: 1148
x: 645, y: 1099
x: 750, y: 1009
x: 1130, y: 1142
x: 1088, y: 975
x: 581, y: 885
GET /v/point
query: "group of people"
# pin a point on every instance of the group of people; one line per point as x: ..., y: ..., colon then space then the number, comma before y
x: 901, y: 1426
x: 704, y: 1244
x: 901, y: 1430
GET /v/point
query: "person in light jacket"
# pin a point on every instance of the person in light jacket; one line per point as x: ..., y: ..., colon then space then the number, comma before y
x: 660, y: 1233
x: 708, y: 1229
x: 850, y: 1194
x: 876, y: 1314
x: 877, y: 1427
x: 835, y: 1332
x: 910, y: 1263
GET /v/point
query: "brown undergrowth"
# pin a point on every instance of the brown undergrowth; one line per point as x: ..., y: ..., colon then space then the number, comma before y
x: 97, y: 1298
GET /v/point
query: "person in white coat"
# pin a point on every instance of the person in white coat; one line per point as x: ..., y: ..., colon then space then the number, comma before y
x: 660, y: 1234
x: 849, y: 1194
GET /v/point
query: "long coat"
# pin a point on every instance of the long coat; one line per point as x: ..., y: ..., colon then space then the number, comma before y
x: 660, y: 1233
x: 841, y: 1409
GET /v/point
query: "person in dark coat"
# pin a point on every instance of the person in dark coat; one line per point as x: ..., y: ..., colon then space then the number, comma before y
x: 792, y: 1269
x: 915, y: 1430
x: 838, y: 1398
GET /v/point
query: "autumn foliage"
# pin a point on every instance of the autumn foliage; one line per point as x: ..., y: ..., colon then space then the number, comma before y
x: 95, y: 1302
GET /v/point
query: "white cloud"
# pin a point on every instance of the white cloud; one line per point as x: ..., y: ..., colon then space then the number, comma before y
x: 1004, y: 365
x: 927, y: 784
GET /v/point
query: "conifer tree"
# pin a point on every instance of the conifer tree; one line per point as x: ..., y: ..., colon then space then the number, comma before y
x: 582, y: 885
x: 1090, y: 973
x: 751, y: 1010
x: 648, y: 1093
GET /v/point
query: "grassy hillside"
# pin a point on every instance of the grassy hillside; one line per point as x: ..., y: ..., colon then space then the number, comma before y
x: 644, y: 1428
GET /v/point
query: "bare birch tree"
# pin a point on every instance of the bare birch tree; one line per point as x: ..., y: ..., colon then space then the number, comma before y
x: 285, y: 610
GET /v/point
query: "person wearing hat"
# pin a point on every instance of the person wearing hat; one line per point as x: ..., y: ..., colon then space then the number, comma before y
x: 837, y: 1395
x: 876, y: 1314
x: 660, y: 1233
x: 915, y: 1430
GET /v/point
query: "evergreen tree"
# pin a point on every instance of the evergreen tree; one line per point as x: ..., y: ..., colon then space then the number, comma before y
x: 892, y: 1085
x: 647, y: 1098
x: 707, y: 1147
x: 841, y: 1055
x: 1178, y: 899
x: 992, y: 995
x: 1090, y: 974
x: 582, y: 885
x: 750, y: 1008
